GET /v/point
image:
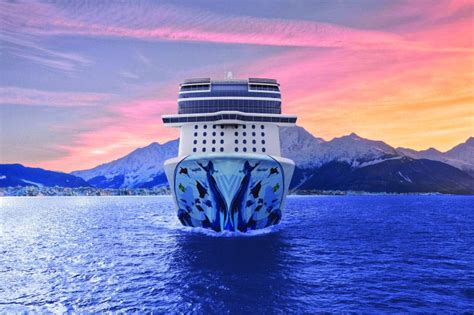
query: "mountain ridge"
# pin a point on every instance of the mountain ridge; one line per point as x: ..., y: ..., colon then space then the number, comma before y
x: 310, y: 154
x: 362, y: 164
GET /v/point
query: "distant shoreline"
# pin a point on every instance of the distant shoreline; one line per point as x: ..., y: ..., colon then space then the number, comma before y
x: 33, y: 191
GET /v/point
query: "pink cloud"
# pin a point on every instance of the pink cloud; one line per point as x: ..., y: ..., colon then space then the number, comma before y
x: 128, y: 125
x: 148, y: 22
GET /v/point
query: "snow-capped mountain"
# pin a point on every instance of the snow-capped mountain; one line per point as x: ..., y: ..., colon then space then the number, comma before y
x: 142, y: 166
x: 461, y: 156
x: 309, y: 152
x: 320, y: 164
x: 298, y: 144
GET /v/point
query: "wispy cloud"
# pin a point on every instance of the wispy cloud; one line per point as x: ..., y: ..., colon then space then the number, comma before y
x: 128, y: 75
x: 163, y: 22
x: 28, y: 47
x: 18, y: 42
x: 33, y: 97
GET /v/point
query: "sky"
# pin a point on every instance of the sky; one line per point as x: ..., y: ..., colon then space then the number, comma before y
x: 84, y: 83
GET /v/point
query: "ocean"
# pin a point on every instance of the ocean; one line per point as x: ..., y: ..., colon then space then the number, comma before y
x: 370, y: 254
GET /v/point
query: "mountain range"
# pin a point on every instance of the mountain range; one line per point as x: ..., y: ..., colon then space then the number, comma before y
x: 345, y: 163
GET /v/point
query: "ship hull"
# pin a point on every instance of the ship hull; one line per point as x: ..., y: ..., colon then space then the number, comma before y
x: 229, y: 192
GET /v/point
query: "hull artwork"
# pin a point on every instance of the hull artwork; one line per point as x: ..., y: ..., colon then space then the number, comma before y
x: 229, y: 193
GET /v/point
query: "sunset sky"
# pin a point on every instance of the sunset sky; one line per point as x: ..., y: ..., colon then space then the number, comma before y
x: 85, y: 83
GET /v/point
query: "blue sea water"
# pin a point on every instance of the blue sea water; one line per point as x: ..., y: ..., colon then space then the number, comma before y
x: 370, y: 254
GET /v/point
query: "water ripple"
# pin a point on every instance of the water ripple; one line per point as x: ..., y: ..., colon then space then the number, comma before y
x: 341, y: 254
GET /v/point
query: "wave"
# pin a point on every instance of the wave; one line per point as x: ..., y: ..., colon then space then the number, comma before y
x: 251, y: 233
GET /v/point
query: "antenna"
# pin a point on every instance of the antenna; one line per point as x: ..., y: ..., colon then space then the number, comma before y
x: 229, y: 75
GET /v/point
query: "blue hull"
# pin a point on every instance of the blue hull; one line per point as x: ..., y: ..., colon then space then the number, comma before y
x: 230, y: 192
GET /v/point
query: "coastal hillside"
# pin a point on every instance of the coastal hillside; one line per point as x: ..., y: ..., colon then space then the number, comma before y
x: 403, y: 175
x: 12, y: 175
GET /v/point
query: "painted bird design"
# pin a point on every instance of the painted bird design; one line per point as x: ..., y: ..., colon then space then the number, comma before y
x: 184, y: 171
x: 273, y: 170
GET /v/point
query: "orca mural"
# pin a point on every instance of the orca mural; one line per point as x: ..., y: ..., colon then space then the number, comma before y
x: 236, y: 193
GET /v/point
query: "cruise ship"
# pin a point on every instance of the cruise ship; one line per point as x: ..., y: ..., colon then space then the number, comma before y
x: 229, y: 175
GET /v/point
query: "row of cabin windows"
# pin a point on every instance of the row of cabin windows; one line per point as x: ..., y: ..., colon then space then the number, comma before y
x: 236, y: 149
x: 222, y: 141
x: 213, y: 149
x: 244, y: 149
x: 235, y: 127
x: 260, y: 87
x: 254, y: 134
x: 200, y: 87
x: 205, y: 141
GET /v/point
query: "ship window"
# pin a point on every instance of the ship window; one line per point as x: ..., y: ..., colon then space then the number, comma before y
x: 195, y: 141
x: 195, y: 126
x: 236, y: 141
x: 222, y: 141
x: 213, y: 126
x: 245, y: 134
x: 263, y: 134
x: 263, y: 141
x: 205, y: 126
x: 195, y: 134
x: 222, y: 126
x: 203, y: 149
x: 253, y: 141
x: 204, y: 134
x: 204, y: 141
x: 194, y: 149
x: 222, y: 149
x: 213, y: 141
x: 236, y: 149
x: 253, y: 134
x: 222, y: 133
x: 245, y: 149
x: 236, y: 134
x: 254, y: 149
x: 213, y: 149
x: 244, y: 126
x: 253, y: 126
x: 262, y: 126
x: 263, y: 150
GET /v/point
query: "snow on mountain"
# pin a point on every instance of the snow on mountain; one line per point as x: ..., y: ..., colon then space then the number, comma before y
x: 133, y: 170
x: 298, y: 144
x: 430, y: 154
x: 461, y: 156
x: 464, y: 154
x: 308, y: 151
x: 355, y: 150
